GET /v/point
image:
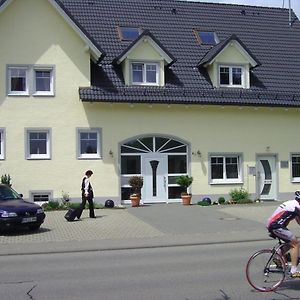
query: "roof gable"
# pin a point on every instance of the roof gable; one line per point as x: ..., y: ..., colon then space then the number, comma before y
x: 146, y: 36
x: 220, y: 48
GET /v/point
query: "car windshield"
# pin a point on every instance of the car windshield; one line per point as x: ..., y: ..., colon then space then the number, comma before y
x: 6, y: 193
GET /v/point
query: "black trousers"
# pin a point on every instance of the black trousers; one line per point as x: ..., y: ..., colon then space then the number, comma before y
x: 82, y: 206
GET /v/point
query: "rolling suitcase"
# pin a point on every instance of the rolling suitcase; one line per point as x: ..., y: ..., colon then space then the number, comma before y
x: 71, y: 214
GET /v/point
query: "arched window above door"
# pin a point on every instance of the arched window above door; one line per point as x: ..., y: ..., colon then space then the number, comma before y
x: 154, y: 144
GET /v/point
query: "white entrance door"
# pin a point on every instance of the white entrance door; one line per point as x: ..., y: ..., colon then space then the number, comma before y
x: 155, y: 173
x: 267, y: 177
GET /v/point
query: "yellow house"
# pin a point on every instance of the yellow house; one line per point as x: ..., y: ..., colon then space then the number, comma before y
x: 167, y: 90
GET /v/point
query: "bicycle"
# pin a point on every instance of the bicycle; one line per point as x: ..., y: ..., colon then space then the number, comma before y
x: 266, y: 269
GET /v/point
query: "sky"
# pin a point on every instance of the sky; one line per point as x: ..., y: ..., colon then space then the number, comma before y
x: 295, y: 4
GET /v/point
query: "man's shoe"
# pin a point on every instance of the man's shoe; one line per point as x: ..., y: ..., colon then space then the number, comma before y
x: 295, y: 275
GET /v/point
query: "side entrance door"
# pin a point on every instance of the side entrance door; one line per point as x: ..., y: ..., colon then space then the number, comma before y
x: 155, y: 173
x: 267, y: 177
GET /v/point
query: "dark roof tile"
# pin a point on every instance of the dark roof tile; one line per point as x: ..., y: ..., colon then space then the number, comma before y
x: 264, y: 31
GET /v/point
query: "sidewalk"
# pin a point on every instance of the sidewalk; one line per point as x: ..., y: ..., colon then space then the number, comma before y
x: 146, y: 226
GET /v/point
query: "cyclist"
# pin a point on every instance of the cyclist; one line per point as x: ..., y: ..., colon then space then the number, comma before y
x: 277, y: 225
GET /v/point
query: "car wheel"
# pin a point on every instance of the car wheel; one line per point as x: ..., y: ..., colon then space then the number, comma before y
x: 34, y: 227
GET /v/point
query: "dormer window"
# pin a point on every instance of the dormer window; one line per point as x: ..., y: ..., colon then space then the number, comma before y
x: 144, y: 73
x: 128, y: 33
x: 231, y: 76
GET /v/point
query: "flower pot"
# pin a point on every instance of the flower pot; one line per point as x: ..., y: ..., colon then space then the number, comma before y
x: 135, y: 201
x: 186, y: 199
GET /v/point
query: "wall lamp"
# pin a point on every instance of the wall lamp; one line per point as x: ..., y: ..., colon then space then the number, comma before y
x: 197, y: 153
x: 111, y: 154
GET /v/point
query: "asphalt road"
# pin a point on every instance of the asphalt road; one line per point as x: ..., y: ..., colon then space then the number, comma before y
x: 202, y: 272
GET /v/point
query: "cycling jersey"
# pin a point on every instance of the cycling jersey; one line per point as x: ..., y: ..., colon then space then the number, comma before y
x: 285, y: 213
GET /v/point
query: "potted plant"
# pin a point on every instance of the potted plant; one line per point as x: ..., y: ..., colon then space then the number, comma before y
x: 184, y: 181
x: 136, y: 183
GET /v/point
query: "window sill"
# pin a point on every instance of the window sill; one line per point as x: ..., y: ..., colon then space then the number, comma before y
x: 18, y: 95
x: 43, y: 94
x: 89, y: 157
x: 295, y: 180
x: 38, y: 158
x: 232, y: 86
x: 226, y: 182
x: 144, y: 84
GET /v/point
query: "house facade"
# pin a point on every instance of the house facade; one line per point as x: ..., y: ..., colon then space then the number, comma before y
x: 151, y: 88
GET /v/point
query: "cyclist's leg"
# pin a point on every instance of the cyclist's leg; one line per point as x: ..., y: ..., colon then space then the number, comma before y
x: 287, y: 236
x: 294, y: 253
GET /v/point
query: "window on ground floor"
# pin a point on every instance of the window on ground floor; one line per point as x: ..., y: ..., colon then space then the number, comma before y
x: 38, y: 144
x: 225, y: 168
x: 296, y: 167
x: 89, y: 142
x: 41, y: 196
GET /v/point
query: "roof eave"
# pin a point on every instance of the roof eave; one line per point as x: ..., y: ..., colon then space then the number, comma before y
x: 4, y: 5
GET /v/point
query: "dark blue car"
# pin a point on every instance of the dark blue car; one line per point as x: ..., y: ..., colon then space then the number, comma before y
x: 17, y: 213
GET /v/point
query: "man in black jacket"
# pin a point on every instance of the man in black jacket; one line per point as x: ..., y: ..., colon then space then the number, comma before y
x: 87, y: 195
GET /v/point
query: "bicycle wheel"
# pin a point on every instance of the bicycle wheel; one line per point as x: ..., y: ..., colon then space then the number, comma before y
x: 265, y: 270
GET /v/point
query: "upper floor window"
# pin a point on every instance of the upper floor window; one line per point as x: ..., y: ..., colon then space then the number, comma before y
x: 225, y: 168
x: 89, y: 143
x: 145, y: 73
x: 43, y: 81
x: 231, y: 76
x: 18, y: 80
x: 1, y: 143
x: 34, y: 80
x: 296, y: 167
x: 38, y: 144
x: 128, y: 33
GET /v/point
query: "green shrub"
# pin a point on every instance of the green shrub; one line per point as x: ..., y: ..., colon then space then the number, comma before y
x: 203, y: 203
x: 245, y: 201
x: 221, y: 200
x: 239, y: 195
x: 5, y: 179
x: 54, y: 204
x: 73, y: 205
x: 51, y: 205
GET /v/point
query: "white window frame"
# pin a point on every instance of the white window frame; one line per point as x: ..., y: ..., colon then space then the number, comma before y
x: 45, y: 69
x: 144, y: 73
x: 231, y: 67
x: 97, y: 155
x: 226, y: 180
x: 46, y: 155
x: 9, y: 77
x: 31, y: 89
x: 40, y: 193
x: 294, y: 179
x: 2, y: 144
